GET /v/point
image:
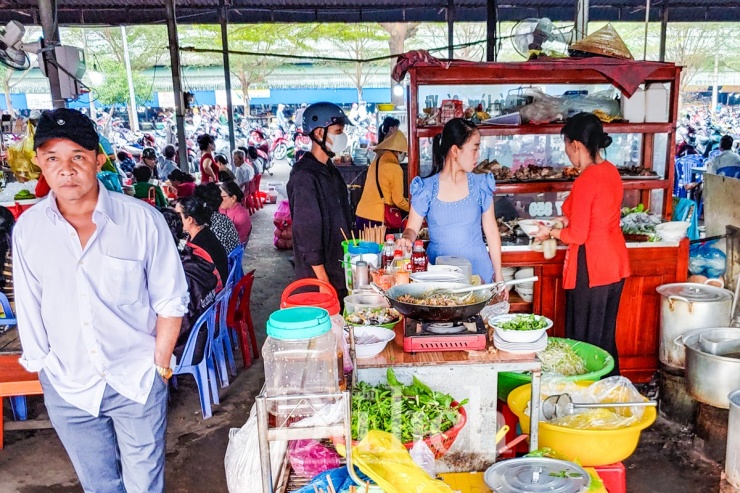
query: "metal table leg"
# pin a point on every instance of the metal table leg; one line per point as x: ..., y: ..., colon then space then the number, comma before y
x: 534, y: 411
x: 264, y: 442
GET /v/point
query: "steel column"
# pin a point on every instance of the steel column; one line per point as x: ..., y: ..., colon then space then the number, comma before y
x: 582, y: 8
x: 492, y: 30
x: 450, y: 29
x: 174, y: 45
x: 663, y: 31
x: 48, y: 18
x: 133, y: 114
x: 223, y: 18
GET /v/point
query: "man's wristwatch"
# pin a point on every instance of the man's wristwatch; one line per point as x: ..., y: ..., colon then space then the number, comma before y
x: 165, y: 373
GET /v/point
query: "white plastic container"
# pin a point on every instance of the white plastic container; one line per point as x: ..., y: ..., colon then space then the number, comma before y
x: 656, y: 103
x: 300, y: 358
x: 633, y: 108
x: 464, y: 264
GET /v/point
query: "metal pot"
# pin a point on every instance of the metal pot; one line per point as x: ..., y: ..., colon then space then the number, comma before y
x: 686, y: 306
x: 710, y: 378
x: 732, y: 457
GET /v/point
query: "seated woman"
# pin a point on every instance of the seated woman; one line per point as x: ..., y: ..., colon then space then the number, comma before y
x: 231, y: 206
x: 203, y: 283
x: 184, y: 183
x: 222, y: 227
x: 224, y: 172
x: 195, y: 216
x: 142, y: 175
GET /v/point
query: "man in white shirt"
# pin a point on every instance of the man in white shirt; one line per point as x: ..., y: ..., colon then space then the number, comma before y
x: 100, y: 294
x: 244, y: 174
x: 725, y: 158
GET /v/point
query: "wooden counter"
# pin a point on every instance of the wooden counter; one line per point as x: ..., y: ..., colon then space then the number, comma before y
x: 638, y: 322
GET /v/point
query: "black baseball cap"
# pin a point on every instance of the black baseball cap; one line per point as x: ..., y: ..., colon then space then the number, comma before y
x: 64, y: 123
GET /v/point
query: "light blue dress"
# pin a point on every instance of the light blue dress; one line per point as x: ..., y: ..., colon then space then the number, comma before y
x: 455, y: 228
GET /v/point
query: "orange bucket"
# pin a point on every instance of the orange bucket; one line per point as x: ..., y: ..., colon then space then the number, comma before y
x: 327, y: 298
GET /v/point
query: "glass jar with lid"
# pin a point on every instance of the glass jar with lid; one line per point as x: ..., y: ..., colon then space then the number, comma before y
x: 300, y: 358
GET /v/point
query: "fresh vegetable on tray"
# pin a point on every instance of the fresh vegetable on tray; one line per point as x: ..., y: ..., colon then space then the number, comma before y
x: 639, y: 221
x: 525, y: 322
x: 559, y: 357
x: 410, y: 412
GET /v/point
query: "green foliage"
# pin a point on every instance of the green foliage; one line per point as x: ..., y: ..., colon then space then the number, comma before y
x: 114, y: 89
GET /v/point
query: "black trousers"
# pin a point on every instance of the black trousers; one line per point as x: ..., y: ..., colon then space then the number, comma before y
x: 591, y: 313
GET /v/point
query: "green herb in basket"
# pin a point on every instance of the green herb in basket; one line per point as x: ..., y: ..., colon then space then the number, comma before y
x: 525, y: 322
x: 410, y: 412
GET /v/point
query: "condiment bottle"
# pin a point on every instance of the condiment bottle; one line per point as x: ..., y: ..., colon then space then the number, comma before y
x: 386, y: 258
x: 361, y: 274
x: 419, y: 259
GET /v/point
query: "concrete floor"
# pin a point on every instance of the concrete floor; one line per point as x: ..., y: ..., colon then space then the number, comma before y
x: 35, y: 462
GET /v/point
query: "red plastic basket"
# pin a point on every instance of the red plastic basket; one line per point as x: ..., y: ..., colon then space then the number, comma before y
x: 439, y: 444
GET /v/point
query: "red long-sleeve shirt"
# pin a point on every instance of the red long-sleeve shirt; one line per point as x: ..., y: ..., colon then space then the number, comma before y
x: 593, y: 212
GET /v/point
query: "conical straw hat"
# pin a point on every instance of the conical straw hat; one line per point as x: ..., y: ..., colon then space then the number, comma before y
x: 394, y: 142
x: 605, y: 42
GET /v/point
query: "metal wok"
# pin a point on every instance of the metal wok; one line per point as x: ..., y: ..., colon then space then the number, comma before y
x: 430, y: 313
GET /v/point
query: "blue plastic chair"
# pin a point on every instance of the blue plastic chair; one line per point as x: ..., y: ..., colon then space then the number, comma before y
x: 223, y: 351
x: 9, y: 317
x: 204, y: 372
x: 236, y: 270
x: 731, y: 171
x: 18, y: 403
x: 683, y: 167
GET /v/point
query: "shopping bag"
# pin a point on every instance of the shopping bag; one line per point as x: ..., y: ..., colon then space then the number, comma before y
x: 19, y: 157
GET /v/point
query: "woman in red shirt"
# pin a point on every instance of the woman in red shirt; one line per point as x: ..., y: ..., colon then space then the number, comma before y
x: 208, y: 167
x: 596, y: 262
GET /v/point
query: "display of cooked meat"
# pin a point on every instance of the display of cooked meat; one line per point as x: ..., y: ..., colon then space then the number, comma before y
x: 571, y: 172
x: 635, y: 171
x: 500, y: 172
x: 534, y: 172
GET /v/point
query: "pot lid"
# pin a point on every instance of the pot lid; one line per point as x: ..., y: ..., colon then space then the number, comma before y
x: 695, y: 292
x: 535, y: 475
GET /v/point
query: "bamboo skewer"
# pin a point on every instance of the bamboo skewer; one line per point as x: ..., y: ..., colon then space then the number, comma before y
x: 344, y: 234
x: 315, y: 489
x: 367, y: 486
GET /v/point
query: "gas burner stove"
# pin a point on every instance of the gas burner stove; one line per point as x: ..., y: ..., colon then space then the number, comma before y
x: 421, y: 337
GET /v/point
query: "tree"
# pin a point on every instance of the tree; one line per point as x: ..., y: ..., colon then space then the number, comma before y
x: 114, y: 89
x: 250, y: 70
x: 399, y: 32
x: 356, y: 41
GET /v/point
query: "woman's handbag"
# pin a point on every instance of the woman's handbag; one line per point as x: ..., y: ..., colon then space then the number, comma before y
x: 392, y: 215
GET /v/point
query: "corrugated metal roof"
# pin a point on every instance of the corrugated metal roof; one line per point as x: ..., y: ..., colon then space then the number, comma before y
x: 75, y: 12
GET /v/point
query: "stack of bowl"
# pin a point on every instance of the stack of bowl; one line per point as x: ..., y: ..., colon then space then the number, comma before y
x: 526, y: 290
x: 508, y: 273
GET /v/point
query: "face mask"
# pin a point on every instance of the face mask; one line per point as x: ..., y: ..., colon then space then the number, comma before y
x: 338, y: 143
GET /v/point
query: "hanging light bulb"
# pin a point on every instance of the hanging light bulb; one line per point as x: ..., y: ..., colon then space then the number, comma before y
x: 398, y: 90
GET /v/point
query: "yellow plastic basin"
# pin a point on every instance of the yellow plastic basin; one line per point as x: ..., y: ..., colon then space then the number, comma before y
x: 590, y: 447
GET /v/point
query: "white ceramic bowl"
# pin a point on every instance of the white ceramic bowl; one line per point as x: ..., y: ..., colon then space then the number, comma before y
x: 672, y: 231
x: 525, y: 336
x: 381, y: 335
x: 530, y: 226
x: 439, y: 276
x: 508, y: 271
x: 524, y: 272
x: 526, y: 294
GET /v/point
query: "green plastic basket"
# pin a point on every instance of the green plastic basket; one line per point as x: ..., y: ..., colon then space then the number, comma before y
x: 598, y: 364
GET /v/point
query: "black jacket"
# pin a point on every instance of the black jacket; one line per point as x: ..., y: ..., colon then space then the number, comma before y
x: 203, y: 283
x: 319, y: 207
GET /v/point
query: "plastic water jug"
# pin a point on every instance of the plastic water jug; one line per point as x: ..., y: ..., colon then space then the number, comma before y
x: 300, y: 357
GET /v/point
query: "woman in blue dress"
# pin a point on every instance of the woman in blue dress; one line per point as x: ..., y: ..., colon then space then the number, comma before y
x: 457, y: 203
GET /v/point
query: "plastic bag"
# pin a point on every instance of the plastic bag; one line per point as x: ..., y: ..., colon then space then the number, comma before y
x: 705, y: 260
x: 612, y: 389
x: 604, y: 102
x: 308, y: 458
x: 386, y: 461
x: 20, y: 154
x: 339, y: 479
x: 242, y: 459
x: 283, y: 237
x: 423, y: 456
x: 544, y: 109
x: 282, y: 218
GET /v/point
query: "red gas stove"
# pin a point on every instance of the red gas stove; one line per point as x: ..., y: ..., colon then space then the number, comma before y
x: 421, y: 337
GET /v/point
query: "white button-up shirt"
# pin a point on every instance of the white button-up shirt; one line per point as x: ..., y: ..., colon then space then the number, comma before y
x: 88, y: 317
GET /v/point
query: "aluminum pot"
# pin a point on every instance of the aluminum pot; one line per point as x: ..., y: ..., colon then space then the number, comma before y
x: 732, y: 457
x: 710, y: 378
x: 686, y: 306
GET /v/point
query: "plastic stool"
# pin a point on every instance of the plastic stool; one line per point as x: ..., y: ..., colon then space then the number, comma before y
x: 614, y: 477
x: 512, y: 420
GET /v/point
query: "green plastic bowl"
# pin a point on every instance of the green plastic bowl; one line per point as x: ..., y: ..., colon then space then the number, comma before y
x: 598, y: 364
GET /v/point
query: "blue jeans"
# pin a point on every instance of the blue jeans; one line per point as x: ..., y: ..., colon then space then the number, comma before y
x: 120, y: 451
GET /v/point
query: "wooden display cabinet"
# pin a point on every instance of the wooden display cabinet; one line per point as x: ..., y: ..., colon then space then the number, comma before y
x: 460, y: 74
x: 651, y: 264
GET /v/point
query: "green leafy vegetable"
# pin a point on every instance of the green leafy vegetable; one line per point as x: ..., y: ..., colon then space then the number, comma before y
x: 411, y: 412
x: 524, y: 322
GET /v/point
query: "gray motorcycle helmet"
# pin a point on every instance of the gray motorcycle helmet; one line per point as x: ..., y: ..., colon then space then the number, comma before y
x: 322, y: 115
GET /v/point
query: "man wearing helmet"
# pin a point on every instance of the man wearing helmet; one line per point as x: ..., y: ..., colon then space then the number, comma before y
x: 318, y: 198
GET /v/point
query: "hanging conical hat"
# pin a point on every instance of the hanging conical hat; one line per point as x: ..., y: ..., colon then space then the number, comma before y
x: 605, y: 42
x: 394, y: 142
